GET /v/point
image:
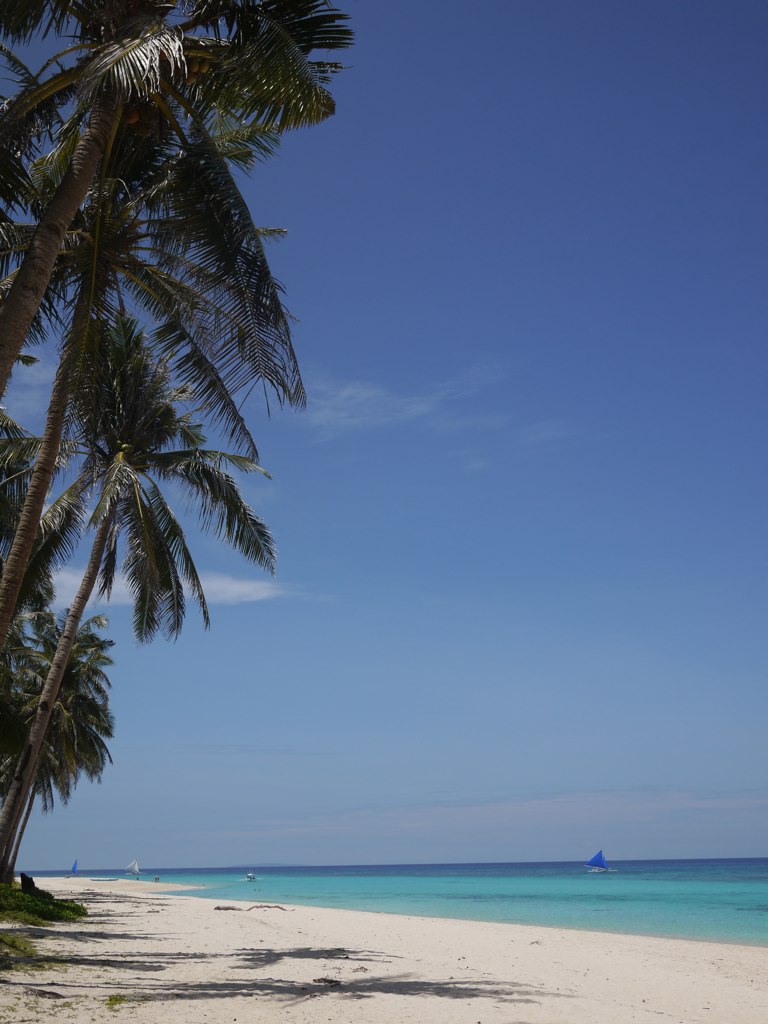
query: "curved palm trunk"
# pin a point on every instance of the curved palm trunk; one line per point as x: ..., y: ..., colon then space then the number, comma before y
x: 26, y: 767
x: 34, y: 502
x: 26, y: 293
x: 20, y: 835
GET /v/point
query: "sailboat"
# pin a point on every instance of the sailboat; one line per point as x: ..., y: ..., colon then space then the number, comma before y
x: 597, y: 863
x: 133, y: 868
x: 73, y: 871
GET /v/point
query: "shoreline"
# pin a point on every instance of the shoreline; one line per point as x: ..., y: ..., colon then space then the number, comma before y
x: 162, y: 957
x: 146, y: 885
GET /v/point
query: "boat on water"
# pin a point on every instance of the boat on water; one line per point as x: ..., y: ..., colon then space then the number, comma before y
x: 250, y: 876
x: 73, y: 871
x: 133, y: 869
x: 597, y: 863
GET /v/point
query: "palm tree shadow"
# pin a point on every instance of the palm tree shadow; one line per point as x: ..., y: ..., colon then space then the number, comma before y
x: 260, y: 958
x: 287, y: 990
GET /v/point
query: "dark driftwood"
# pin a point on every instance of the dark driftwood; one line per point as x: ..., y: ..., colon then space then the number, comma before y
x: 43, y: 993
x: 256, y: 906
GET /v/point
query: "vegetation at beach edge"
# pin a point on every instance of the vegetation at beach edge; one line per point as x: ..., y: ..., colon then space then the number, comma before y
x: 37, y: 908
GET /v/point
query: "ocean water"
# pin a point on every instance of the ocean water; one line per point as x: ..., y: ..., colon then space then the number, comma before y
x: 720, y: 900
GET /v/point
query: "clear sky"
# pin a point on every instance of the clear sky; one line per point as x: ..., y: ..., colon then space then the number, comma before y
x: 520, y: 609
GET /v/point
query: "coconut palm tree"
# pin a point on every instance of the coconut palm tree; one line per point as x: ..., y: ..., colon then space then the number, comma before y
x: 136, y: 436
x: 224, y: 80
x: 159, y: 69
x: 81, y: 721
x: 55, y: 539
x: 175, y: 239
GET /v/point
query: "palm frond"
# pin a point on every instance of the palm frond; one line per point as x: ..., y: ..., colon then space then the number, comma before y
x: 60, y: 529
x: 130, y: 67
x: 195, y: 368
x: 23, y: 19
x: 175, y: 542
x: 214, y: 228
x: 223, y: 510
x: 150, y: 572
x: 266, y: 72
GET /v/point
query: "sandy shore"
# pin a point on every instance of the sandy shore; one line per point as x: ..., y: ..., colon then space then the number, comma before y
x: 148, y: 956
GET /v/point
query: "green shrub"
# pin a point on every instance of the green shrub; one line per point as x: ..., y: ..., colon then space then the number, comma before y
x: 36, y: 908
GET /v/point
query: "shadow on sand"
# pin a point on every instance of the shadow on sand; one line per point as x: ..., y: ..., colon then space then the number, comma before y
x: 358, y: 972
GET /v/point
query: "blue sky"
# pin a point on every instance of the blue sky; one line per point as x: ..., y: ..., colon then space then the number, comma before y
x: 521, y: 596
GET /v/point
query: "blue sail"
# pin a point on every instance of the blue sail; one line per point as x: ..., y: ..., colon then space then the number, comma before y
x: 598, y: 861
x: 74, y: 868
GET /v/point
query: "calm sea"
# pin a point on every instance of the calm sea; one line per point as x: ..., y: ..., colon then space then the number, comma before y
x: 721, y: 900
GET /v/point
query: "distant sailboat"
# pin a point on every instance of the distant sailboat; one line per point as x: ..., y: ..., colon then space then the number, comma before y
x: 597, y: 863
x: 74, y: 869
x: 133, y: 868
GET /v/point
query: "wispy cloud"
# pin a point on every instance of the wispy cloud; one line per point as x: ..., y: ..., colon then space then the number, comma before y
x: 219, y: 589
x: 627, y: 812
x: 460, y: 406
x: 336, y: 407
x: 470, y: 460
x: 544, y: 433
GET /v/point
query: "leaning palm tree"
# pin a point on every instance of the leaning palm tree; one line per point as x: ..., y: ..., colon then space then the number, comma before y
x: 159, y: 69
x: 174, y: 239
x: 81, y: 722
x: 135, y: 436
x: 53, y: 543
x: 201, y: 88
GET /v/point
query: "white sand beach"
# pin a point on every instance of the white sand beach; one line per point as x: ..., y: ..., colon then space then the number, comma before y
x: 148, y: 956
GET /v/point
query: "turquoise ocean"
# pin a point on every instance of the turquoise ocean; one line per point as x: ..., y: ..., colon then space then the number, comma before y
x: 719, y: 900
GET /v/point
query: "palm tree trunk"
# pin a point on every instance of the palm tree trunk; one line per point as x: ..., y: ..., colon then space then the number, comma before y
x: 26, y: 293
x: 20, y: 834
x: 40, y: 482
x: 15, y: 823
x: 26, y: 767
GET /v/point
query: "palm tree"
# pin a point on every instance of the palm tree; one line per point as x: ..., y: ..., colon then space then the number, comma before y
x: 159, y: 69
x: 54, y: 541
x: 81, y: 721
x: 185, y: 91
x: 175, y: 238
x: 130, y: 429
